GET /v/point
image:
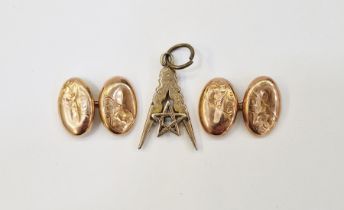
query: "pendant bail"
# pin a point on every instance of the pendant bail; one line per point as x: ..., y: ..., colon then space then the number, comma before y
x: 167, y: 58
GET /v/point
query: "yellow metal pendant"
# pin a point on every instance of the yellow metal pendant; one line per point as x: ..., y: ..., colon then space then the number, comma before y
x: 167, y: 107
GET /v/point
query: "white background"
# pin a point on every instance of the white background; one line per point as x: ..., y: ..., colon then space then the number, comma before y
x: 299, y: 43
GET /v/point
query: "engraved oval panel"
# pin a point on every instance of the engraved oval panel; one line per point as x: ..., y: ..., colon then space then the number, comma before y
x: 76, y: 106
x: 218, y: 106
x: 261, y: 106
x: 117, y: 105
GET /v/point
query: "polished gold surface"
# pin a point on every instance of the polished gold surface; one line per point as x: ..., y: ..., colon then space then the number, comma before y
x: 261, y: 106
x: 167, y: 107
x: 117, y: 105
x: 76, y: 106
x: 218, y: 106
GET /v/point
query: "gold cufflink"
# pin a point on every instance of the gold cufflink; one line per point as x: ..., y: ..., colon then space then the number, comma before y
x: 117, y: 105
x: 218, y: 106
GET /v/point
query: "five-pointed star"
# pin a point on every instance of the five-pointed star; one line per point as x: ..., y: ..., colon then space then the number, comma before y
x: 171, y: 126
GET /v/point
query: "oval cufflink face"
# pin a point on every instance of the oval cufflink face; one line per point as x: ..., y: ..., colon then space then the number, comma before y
x: 76, y: 106
x: 218, y: 106
x: 261, y: 106
x: 117, y: 105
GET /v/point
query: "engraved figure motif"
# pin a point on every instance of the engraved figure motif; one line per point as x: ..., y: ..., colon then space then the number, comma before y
x: 75, y: 102
x: 119, y: 117
x: 262, y: 109
x: 221, y: 99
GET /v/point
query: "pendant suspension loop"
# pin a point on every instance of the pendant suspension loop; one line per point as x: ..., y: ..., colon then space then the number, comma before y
x: 167, y: 58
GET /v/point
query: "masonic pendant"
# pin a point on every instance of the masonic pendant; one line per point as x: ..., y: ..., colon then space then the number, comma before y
x: 167, y: 108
